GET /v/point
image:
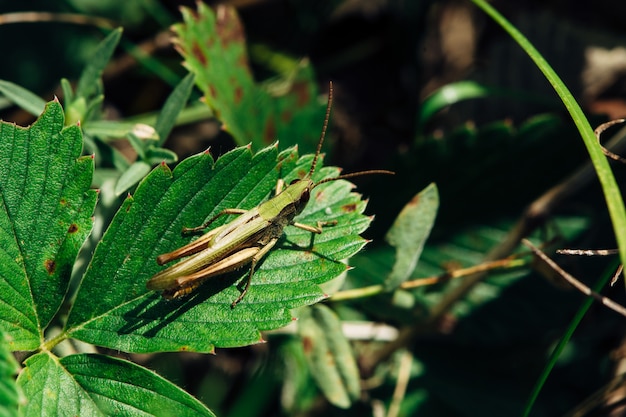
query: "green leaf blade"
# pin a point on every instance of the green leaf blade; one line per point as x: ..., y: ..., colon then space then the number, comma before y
x: 409, y: 233
x: 17, y: 313
x: 612, y: 194
x: 172, y: 107
x: 120, y: 387
x: 98, y: 385
x: 220, y: 67
x: 164, y: 203
x: 90, y: 79
x: 329, y: 355
x: 47, y: 208
x: 134, y: 319
x: 51, y: 391
x: 24, y: 98
x: 213, y: 46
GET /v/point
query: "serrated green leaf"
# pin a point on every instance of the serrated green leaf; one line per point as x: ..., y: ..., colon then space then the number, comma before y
x: 214, y: 50
x: 329, y: 355
x: 98, y: 385
x: 45, y: 216
x: 409, y: 232
x: 51, y: 391
x: 113, y: 307
x: 120, y: 387
x: 24, y: 98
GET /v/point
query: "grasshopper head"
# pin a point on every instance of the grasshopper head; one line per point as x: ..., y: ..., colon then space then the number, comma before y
x: 300, y: 192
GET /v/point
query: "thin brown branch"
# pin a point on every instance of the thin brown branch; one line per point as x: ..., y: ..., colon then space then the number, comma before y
x: 587, y: 252
x: 575, y: 282
x: 73, y: 18
x: 598, y: 132
x: 616, y: 275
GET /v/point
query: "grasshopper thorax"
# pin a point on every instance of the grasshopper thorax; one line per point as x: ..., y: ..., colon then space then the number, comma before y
x: 299, y: 193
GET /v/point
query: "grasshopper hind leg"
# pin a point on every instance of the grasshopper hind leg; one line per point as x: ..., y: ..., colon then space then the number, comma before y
x: 256, y: 258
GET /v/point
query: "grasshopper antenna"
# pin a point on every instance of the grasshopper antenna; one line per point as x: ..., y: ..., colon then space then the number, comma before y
x: 356, y: 174
x: 329, y: 105
x: 321, y: 142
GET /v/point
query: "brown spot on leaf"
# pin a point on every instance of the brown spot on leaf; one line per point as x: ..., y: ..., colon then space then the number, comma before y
x: 242, y: 62
x: 213, y: 91
x: 349, y: 208
x: 228, y: 26
x: 451, y: 266
x: 238, y: 94
x: 50, y: 266
x: 63, y: 201
x: 307, y: 345
x: 196, y: 51
x: 302, y: 173
x: 319, y: 196
x: 73, y: 228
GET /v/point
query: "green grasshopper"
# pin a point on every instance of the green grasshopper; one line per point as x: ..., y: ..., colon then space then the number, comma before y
x: 244, y: 240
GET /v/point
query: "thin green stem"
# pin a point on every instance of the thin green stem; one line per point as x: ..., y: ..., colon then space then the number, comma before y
x: 612, y: 194
x: 50, y: 344
x: 373, y: 290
